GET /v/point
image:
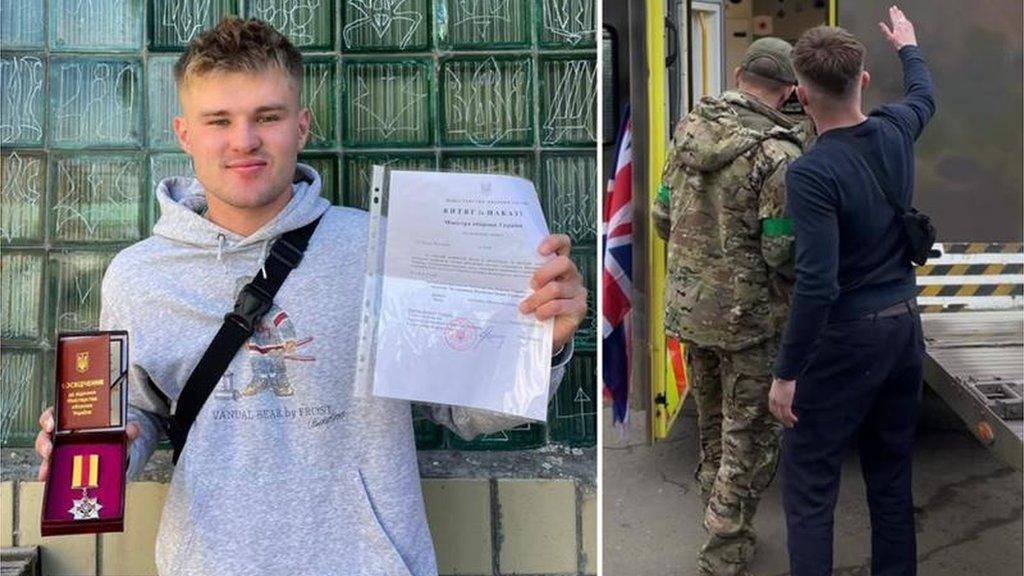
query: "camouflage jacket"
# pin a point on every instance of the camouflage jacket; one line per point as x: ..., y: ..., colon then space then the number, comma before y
x: 721, y: 208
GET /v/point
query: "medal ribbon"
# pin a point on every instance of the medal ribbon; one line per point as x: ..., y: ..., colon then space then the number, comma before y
x: 93, y: 471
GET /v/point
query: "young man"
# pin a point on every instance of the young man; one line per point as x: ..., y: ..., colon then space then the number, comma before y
x: 285, y: 470
x: 850, y: 364
x: 729, y: 264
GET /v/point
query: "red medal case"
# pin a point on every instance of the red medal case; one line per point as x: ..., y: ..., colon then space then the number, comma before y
x: 90, y: 412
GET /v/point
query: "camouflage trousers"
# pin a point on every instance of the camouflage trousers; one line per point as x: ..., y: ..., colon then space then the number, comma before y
x: 739, y: 449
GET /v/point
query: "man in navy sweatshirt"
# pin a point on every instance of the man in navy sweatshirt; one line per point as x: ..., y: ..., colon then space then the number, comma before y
x: 849, y: 368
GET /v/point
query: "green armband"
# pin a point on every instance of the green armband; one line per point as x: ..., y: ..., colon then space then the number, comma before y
x: 775, y: 227
x: 664, y: 194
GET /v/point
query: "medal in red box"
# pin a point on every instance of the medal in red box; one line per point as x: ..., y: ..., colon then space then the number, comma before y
x: 85, y: 491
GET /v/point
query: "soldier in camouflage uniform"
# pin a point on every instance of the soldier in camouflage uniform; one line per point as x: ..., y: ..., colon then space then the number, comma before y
x: 730, y: 257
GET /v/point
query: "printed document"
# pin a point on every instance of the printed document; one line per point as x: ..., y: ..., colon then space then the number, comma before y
x: 459, y: 254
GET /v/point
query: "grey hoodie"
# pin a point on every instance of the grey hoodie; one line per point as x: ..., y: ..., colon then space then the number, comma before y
x: 285, y: 471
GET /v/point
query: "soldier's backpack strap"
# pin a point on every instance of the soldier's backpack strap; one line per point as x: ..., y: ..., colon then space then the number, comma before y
x: 791, y: 135
x: 254, y: 300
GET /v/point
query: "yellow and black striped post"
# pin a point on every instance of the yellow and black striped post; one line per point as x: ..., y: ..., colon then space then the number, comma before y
x: 972, y: 275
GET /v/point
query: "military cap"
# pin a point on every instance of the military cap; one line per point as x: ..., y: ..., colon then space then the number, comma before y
x: 770, y: 58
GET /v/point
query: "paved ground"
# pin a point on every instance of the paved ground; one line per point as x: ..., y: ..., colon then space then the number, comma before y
x: 969, y: 508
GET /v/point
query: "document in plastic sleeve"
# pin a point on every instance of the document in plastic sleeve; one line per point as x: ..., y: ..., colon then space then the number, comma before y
x: 458, y: 256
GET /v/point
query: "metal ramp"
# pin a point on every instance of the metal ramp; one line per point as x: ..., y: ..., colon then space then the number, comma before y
x: 974, y: 338
x: 975, y: 362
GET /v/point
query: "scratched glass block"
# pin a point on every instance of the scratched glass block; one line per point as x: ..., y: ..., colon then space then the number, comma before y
x: 22, y: 194
x: 21, y: 24
x: 95, y: 102
x: 487, y: 24
x: 530, y: 435
x: 609, y: 109
x: 585, y: 258
x: 429, y: 436
x: 387, y: 103
x: 510, y: 164
x: 163, y: 166
x: 23, y: 396
x: 108, y: 26
x: 21, y: 301
x: 327, y: 166
x: 166, y: 166
x: 97, y: 198
x: 486, y: 102
x: 572, y: 413
x: 75, y: 279
x: 385, y: 25
x: 567, y: 23
x: 173, y: 23
x: 22, y: 111
x: 359, y: 173
x: 162, y: 102
x: 568, y: 101
x: 569, y: 194
x: 319, y: 88
x: 308, y: 24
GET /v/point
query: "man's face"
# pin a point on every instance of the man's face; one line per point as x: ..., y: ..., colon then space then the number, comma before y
x: 243, y: 132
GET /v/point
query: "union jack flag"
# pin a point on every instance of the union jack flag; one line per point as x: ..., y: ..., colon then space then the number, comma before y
x: 617, y: 273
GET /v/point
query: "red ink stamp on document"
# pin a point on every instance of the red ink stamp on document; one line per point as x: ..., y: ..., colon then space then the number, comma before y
x: 460, y: 334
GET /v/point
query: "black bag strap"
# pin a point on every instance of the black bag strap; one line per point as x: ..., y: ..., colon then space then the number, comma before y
x: 900, y: 210
x: 254, y: 300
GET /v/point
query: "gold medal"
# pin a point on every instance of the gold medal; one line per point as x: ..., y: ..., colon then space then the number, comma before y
x: 85, y: 472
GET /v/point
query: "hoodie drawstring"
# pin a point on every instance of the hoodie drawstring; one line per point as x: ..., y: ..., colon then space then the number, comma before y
x: 220, y: 246
x: 263, y: 258
x: 264, y: 252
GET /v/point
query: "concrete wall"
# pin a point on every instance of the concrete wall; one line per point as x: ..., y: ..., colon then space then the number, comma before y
x: 480, y: 527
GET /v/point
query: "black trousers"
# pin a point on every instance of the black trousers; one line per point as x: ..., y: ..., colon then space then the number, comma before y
x: 862, y: 385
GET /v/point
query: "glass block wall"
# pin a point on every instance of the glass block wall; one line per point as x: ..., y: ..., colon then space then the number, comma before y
x: 501, y: 86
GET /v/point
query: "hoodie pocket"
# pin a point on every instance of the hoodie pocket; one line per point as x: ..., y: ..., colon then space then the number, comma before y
x: 376, y: 548
x: 302, y: 522
x: 178, y: 531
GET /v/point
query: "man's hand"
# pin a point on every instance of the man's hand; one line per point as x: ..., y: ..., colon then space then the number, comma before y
x: 780, y: 401
x: 44, y: 445
x: 902, y: 32
x: 558, y: 290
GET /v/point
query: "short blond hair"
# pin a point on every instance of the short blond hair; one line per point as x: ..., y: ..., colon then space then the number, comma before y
x: 237, y: 45
x: 829, y: 58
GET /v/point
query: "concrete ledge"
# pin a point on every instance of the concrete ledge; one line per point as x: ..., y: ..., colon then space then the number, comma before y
x: 131, y: 553
x: 6, y: 514
x: 61, y: 555
x: 480, y: 526
x: 538, y: 527
x: 549, y: 462
x: 588, y: 527
x: 20, y: 561
x: 459, y: 512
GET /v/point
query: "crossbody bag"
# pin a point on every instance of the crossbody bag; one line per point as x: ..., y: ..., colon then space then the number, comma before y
x: 254, y: 300
x: 918, y: 231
